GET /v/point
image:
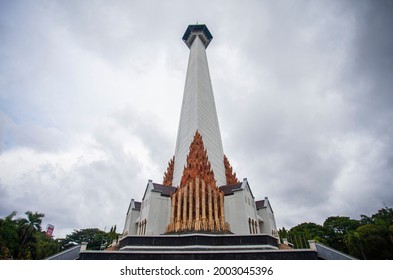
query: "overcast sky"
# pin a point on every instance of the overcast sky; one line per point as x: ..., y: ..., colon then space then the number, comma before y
x: 90, y: 96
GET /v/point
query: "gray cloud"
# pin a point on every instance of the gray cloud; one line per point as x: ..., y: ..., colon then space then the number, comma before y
x: 81, y: 196
x: 311, y: 106
x: 31, y: 135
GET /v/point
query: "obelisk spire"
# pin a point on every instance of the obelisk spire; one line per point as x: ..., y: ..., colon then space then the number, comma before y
x: 198, y: 112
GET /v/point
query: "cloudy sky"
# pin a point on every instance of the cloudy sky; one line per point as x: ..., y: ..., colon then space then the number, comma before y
x: 90, y: 96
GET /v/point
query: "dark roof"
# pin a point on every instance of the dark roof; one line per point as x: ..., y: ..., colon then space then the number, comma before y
x: 260, y: 204
x: 229, y: 189
x: 137, y: 205
x: 191, y: 30
x: 164, y: 190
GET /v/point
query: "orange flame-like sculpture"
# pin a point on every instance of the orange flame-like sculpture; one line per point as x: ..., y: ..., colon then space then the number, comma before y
x: 168, y: 175
x: 198, y: 204
x: 230, y: 175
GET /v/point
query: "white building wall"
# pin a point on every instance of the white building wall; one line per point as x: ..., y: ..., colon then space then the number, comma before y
x: 235, y: 213
x: 159, y: 214
x: 145, y: 209
x: 127, y: 223
x: 268, y: 225
x: 132, y: 218
x: 239, y: 208
x: 155, y: 209
x: 251, y: 210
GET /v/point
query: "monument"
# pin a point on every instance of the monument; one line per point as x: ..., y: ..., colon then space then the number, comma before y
x: 200, y: 193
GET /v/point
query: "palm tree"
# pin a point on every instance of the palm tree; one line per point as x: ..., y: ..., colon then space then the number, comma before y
x: 28, y: 227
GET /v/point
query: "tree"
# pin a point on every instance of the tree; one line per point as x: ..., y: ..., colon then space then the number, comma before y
x: 45, y: 246
x: 9, y: 240
x: 341, y: 225
x: 367, y: 238
x: 27, y: 229
x: 283, y: 233
x: 355, y: 245
x: 112, y: 235
x: 22, y: 238
x: 383, y: 217
x: 376, y: 234
x: 96, y: 238
x: 371, y: 242
x: 300, y: 234
x: 337, y: 228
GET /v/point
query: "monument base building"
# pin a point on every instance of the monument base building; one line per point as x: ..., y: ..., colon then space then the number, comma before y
x: 243, y: 213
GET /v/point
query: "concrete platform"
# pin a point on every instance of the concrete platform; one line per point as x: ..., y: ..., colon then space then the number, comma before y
x: 197, y: 241
x: 201, y: 255
x: 199, y: 247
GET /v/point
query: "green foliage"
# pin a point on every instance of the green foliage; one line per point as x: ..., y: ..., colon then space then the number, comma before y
x: 96, y: 238
x: 367, y: 238
x: 282, y: 233
x: 341, y: 225
x: 371, y: 242
x: 9, y: 239
x: 300, y: 234
x: 355, y: 245
x: 23, y: 239
x: 309, y: 230
x: 375, y: 236
x: 27, y: 229
x: 93, y: 236
x: 45, y: 246
x: 112, y: 235
x: 337, y: 228
x: 383, y: 217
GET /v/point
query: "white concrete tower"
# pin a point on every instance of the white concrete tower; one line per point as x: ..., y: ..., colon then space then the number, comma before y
x: 198, y: 111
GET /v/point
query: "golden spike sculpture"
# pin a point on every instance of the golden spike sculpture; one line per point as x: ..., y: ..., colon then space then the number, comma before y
x: 230, y: 175
x: 168, y: 175
x: 197, y: 204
